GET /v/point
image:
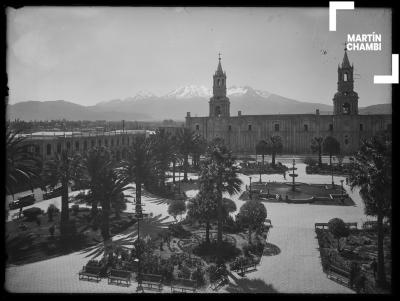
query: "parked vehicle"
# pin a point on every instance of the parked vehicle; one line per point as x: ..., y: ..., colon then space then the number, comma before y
x: 22, y: 202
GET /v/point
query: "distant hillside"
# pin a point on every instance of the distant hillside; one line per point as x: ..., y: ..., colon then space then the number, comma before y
x: 146, y: 106
x: 384, y: 108
x: 59, y: 109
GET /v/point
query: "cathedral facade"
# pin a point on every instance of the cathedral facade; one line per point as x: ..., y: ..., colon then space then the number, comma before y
x: 241, y: 133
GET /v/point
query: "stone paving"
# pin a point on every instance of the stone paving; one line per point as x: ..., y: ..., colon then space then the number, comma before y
x: 297, y: 269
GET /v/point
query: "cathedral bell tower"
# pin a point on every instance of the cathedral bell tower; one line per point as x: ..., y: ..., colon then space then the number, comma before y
x: 219, y: 103
x: 345, y: 101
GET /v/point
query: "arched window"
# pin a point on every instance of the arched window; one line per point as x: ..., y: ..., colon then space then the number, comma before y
x: 58, y: 148
x: 276, y: 127
x: 249, y: 127
x: 68, y: 145
x: 92, y: 143
x: 229, y: 128
x: 48, y: 149
x: 197, y: 127
x: 217, y: 111
x: 346, y: 108
x: 77, y: 145
x: 345, y: 77
x: 37, y: 149
x: 306, y: 127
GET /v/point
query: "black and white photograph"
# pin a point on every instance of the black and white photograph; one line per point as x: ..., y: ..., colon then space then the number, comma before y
x: 199, y: 149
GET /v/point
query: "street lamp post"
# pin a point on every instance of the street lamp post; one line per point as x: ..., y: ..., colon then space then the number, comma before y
x: 139, y: 215
x: 341, y: 182
x: 250, y: 188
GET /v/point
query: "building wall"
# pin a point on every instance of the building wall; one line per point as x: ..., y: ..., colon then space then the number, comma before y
x: 117, y: 142
x: 296, y: 139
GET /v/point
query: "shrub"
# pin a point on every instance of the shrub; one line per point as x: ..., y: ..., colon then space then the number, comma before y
x: 198, y: 276
x: 31, y: 214
x: 75, y: 209
x: 177, y: 207
x: 212, y: 273
x: 338, y: 229
x: 167, y: 271
x: 310, y: 161
x: 178, y: 231
x: 256, y: 248
x: 184, y: 272
x: 51, y: 210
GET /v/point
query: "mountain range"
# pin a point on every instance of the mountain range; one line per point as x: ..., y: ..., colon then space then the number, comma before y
x: 146, y: 106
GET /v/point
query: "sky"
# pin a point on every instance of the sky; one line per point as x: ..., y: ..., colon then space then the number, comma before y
x: 88, y: 55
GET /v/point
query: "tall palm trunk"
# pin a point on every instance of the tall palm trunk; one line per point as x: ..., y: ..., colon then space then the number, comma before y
x: 105, y: 226
x: 262, y: 159
x: 173, y: 171
x: 208, y: 232
x: 249, y: 235
x: 330, y: 163
x: 64, y: 208
x: 219, y: 233
x: 138, y: 196
x: 320, y: 155
x: 381, y: 277
x: 273, y: 158
x: 185, y: 167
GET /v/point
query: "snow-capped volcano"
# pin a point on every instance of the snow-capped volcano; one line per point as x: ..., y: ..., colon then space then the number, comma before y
x: 191, y: 91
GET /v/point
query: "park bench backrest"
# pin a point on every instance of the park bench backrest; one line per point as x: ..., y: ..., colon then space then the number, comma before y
x: 92, y: 269
x: 151, y: 277
x: 185, y: 282
x: 120, y: 273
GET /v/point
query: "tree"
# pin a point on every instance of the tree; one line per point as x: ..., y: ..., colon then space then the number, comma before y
x: 186, y: 140
x: 331, y: 147
x: 95, y: 163
x: 23, y: 166
x: 114, y: 183
x: 139, y: 166
x: 204, y: 209
x: 262, y: 149
x: 219, y: 175
x: 275, y: 147
x: 176, y: 207
x: 252, y: 214
x: 316, y: 147
x: 372, y: 173
x: 164, y: 149
x: 64, y: 169
x: 199, y: 148
x: 338, y: 229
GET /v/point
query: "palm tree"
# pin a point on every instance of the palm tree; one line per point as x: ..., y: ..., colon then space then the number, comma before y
x: 23, y: 166
x: 64, y: 168
x: 372, y: 173
x: 186, y: 141
x: 262, y: 149
x: 218, y: 175
x: 140, y: 165
x: 199, y: 148
x: 316, y: 147
x: 113, y: 185
x: 275, y: 147
x: 96, y: 162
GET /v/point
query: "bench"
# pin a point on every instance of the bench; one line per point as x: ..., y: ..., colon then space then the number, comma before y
x: 151, y: 281
x: 246, y: 268
x: 321, y: 225
x: 90, y: 272
x: 219, y: 282
x: 131, y: 266
x: 339, y: 275
x: 181, y: 285
x: 119, y: 276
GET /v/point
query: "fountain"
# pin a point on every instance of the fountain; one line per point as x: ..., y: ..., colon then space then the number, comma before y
x: 293, y: 175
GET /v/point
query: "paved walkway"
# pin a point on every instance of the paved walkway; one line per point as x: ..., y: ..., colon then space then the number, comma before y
x: 297, y: 269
